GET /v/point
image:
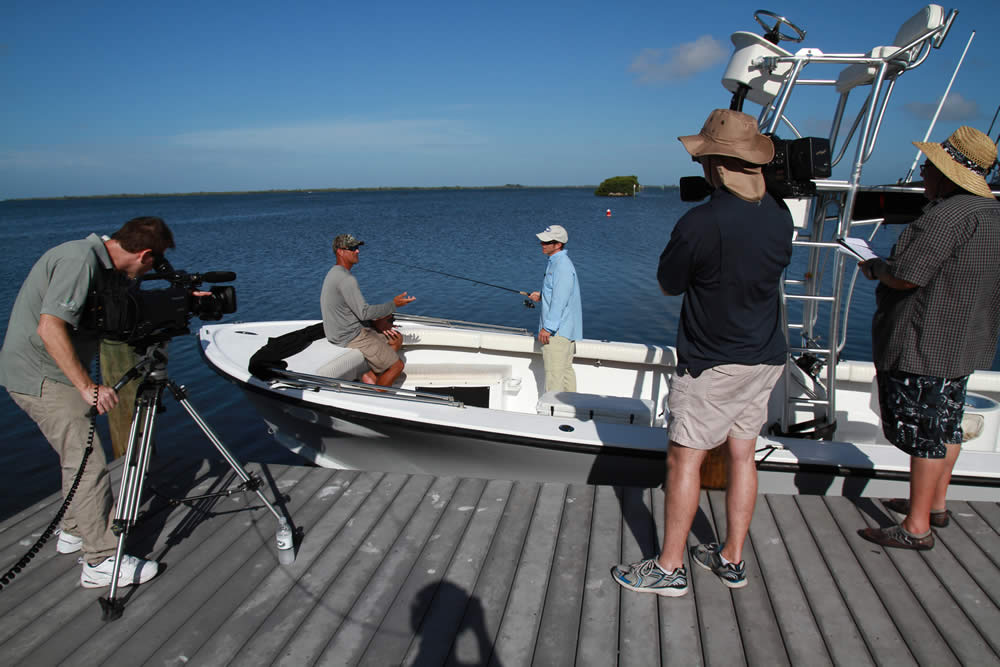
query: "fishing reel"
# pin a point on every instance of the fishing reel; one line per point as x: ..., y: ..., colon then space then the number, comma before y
x: 528, y: 303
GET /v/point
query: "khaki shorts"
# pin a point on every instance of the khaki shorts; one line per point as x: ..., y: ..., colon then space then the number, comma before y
x: 376, y: 349
x: 728, y: 400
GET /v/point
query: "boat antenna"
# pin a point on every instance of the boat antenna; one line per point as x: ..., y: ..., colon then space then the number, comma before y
x: 527, y: 302
x: 913, y: 167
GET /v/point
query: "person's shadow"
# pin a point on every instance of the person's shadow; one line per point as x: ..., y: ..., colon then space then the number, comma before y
x: 441, y: 614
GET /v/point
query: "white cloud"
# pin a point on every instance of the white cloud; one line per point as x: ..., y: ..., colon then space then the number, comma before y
x: 393, y: 134
x: 679, y: 62
x: 956, y: 108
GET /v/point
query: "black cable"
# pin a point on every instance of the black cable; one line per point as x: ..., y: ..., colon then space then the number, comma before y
x: 7, y: 578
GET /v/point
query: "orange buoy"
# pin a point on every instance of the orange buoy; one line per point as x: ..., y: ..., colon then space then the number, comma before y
x: 608, y: 213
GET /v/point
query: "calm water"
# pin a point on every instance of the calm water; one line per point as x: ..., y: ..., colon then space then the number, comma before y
x: 279, y: 246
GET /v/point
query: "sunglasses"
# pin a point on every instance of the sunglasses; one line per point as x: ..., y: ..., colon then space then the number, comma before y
x: 549, y: 242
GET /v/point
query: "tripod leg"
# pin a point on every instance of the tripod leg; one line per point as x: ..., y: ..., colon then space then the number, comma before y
x: 136, y: 463
x: 232, y: 460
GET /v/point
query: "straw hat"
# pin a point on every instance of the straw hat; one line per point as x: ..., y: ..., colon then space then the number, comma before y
x: 731, y: 134
x: 964, y: 158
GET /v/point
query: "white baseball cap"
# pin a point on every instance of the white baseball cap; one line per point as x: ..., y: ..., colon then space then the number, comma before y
x: 553, y: 233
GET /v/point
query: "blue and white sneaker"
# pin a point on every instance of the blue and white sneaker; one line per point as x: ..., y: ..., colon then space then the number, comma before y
x: 733, y: 575
x: 647, y: 576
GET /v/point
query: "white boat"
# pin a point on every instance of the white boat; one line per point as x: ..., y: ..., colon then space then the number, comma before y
x: 470, y: 402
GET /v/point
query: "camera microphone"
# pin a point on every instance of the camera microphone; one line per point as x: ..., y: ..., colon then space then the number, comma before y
x: 218, y: 276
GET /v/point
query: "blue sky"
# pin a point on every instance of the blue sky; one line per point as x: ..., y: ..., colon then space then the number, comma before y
x: 104, y: 98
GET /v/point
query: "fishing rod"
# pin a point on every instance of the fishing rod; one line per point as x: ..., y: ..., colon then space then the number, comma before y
x: 527, y: 302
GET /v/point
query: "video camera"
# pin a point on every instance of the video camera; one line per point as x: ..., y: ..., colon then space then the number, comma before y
x: 790, y: 174
x: 119, y: 309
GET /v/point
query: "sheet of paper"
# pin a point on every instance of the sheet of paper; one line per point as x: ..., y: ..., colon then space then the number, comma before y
x: 856, y: 248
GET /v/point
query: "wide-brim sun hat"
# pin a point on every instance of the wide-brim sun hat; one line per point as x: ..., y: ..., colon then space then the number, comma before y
x: 731, y: 134
x: 965, y: 158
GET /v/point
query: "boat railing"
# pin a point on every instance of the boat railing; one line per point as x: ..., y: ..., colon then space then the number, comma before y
x: 820, y: 315
x: 284, y: 379
x: 461, y: 324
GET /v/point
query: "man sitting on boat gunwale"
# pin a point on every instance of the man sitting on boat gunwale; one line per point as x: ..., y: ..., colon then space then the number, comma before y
x: 345, y: 310
x: 726, y: 257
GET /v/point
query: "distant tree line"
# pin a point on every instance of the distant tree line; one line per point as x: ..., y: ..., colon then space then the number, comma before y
x: 618, y: 186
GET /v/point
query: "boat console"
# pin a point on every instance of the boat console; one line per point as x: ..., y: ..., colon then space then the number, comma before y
x: 817, y: 302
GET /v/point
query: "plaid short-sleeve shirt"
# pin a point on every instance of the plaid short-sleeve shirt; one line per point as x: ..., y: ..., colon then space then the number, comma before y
x: 947, y: 326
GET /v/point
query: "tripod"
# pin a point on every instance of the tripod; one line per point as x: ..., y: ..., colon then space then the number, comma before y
x: 153, y: 367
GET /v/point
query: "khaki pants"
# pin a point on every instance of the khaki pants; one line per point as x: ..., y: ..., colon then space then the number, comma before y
x: 61, y: 415
x: 557, y: 355
x: 118, y: 358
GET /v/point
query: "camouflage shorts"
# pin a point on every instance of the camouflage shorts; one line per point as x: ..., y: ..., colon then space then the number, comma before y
x: 920, y: 413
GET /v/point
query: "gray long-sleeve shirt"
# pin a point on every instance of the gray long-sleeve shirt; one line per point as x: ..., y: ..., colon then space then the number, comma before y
x: 344, y: 308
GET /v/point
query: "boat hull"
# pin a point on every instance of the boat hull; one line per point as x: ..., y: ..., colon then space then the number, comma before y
x: 341, y: 424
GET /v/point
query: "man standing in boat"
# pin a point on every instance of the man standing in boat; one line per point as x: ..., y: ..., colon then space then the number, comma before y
x: 561, y: 322
x: 726, y: 257
x: 42, y: 365
x: 936, y: 321
x: 345, y: 309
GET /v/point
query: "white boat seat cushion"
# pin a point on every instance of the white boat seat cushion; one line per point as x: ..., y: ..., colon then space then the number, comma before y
x: 616, y: 409
x: 329, y: 360
x: 924, y: 22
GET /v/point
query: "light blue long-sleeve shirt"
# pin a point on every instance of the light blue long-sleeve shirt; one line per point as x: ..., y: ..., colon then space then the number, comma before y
x: 562, y: 312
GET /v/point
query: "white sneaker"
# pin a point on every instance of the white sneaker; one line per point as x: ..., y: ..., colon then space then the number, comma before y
x: 132, y: 571
x: 68, y: 543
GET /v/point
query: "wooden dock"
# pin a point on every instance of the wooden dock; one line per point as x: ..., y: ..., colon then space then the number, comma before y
x: 398, y: 569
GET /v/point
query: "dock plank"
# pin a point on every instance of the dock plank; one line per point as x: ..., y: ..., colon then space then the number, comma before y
x: 338, y: 499
x: 598, y: 634
x: 410, y: 569
x: 78, y: 615
x: 313, y: 499
x: 428, y: 612
x: 871, y: 619
x: 558, y: 631
x: 313, y: 634
x: 216, y: 548
x: 918, y: 630
x: 680, y: 639
x: 639, y: 622
x: 844, y: 644
x: 481, y: 623
x: 311, y: 591
x: 422, y: 549
x: 720, y: 630
x: 515, y: 642
x: 793, y: 618
x: 955, y: 600
x: 762, y: 641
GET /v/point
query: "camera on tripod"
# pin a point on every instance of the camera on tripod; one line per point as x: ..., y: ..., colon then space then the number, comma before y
x: 790, y: 174
x: 119, y: 310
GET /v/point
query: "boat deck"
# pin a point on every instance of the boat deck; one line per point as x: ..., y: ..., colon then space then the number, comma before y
x: 408, y: 569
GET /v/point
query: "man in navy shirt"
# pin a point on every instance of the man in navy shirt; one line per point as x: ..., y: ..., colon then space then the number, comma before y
x: 726, y: 257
